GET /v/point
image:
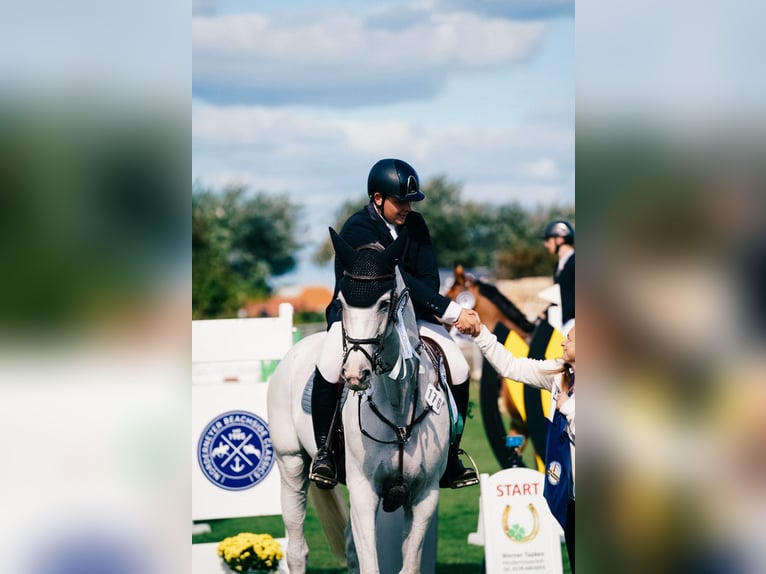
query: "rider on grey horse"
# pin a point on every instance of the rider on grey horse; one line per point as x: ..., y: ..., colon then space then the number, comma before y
x: 391, y: 186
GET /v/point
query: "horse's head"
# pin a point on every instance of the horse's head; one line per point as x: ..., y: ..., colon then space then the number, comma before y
x: 464, y: 289
x: 369, y: 293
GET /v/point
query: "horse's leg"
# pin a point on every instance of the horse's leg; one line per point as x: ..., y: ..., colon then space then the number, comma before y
x: 294, y: 478
x: 417, y: 520
x: 364, y: 509
x: 352, y: 561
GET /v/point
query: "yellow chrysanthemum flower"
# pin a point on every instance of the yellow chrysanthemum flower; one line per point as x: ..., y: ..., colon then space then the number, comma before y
x: 247, y: 552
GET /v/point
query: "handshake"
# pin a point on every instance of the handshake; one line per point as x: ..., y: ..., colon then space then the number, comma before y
x: 468, y: 323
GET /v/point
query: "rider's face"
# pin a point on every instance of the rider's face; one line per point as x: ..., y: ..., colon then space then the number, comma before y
x: 394, y: 211
x: 551, y: 244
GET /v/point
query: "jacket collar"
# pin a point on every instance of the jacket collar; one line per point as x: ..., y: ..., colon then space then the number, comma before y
x: 393, y: 230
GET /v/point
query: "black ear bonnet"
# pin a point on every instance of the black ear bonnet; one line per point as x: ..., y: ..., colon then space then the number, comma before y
x: 369, y: 271
x: 367, y: 279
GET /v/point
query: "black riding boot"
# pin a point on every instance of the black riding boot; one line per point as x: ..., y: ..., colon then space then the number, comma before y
x: 456, y: 475
x: 324, y: 399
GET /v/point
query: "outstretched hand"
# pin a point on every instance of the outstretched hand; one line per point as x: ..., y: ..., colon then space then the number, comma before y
x: 468, y: 323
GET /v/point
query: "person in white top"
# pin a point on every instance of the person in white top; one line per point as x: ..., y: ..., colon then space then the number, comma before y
x: 558, y: 377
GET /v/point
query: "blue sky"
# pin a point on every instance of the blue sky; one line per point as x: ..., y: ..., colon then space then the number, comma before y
x: 303, y: 97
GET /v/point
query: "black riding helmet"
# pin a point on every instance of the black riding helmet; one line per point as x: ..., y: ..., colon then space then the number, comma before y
x: 559, y: 228
x: 394, y: 178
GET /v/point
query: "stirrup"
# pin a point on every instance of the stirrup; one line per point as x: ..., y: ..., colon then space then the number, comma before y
x: 323, y: 481
x: 467, y: 479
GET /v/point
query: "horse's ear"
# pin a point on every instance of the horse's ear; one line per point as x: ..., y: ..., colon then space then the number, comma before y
x: 345, y: 253
x: 459, y: 274
x: 394, y: 251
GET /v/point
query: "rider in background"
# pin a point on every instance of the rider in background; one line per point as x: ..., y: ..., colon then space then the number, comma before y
x: 392, y: 186
x: 559, y: 241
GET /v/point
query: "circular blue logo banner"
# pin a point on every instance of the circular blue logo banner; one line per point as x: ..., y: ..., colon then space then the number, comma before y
x: 235, y: 451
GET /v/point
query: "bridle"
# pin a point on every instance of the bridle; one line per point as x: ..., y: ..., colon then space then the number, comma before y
x: 351, y: 344
x: 373, y: 349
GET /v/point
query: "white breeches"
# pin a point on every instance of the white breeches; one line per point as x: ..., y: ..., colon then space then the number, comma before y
x: 331, y: 357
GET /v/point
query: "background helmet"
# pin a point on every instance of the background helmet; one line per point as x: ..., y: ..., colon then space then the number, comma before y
x: 559, y: 228
x: 394, y: 178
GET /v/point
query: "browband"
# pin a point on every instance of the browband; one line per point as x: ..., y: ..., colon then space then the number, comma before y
x: 363, y: 278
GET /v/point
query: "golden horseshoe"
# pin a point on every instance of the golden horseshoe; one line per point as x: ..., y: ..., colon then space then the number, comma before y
x: 535, y: 527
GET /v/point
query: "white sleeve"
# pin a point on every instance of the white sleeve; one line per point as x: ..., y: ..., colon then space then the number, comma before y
x: 451, y: 314
x: 532, y: 372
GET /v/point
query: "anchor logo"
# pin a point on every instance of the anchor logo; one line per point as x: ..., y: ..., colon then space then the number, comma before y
x: 235, y: 450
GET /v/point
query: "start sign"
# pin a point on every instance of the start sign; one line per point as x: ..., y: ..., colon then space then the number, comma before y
x: 520, y: 533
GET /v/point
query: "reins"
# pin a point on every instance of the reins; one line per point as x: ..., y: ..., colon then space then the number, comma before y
x: 403, y: 434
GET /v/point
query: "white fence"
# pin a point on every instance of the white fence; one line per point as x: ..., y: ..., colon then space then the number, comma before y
x: 234, y: 473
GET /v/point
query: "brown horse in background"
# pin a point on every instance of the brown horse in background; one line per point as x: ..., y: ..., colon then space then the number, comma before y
x: 492, y: 306
x: 501, y: 317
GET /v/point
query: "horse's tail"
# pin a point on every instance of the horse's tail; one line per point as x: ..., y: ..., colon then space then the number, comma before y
x: 330, y: 506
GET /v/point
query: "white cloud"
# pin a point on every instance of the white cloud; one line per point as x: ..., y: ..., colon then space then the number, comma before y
x: 529, y: 195
x: 336, y: 58
x: 322, y: 160
x: 256, y: 125
x: 543, y: 168
x: 517, y: 9
x: 303, y: 100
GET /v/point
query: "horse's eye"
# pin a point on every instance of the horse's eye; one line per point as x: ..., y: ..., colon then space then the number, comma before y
x: 384, y: 306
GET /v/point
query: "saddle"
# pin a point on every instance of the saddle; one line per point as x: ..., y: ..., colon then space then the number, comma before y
x: 445, y: 382
x: 439, y: 360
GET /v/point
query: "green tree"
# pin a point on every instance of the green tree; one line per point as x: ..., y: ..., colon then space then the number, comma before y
x: 456, y: 227
x: 505, y: 238
x: 239, y: 241
x: 520, y: 251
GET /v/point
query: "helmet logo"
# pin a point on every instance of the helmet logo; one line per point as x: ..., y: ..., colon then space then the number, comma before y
x: 412, y: 184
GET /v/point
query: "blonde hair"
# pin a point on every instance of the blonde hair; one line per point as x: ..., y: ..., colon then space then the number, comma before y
x: 566, y: 369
